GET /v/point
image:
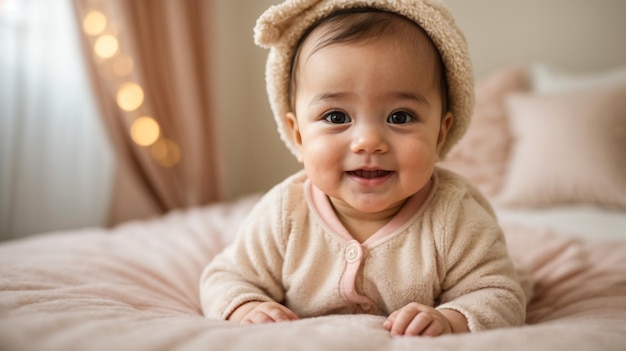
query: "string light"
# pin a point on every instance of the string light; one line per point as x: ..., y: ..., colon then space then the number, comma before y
x: 106, y: 46
x: 144, y: 131
x: 165, y: 152
x: 130, y: 96
x: 94, y: 23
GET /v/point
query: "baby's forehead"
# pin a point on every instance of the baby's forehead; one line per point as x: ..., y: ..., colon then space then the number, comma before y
x: 369, y: 27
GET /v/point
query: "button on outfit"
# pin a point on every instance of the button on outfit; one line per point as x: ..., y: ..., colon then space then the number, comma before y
x: 354, y: 252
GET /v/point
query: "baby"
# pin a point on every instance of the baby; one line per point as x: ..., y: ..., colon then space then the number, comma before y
x: 368, y: 95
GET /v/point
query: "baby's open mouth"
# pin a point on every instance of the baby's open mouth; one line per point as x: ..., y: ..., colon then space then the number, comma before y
x: 369, y: 174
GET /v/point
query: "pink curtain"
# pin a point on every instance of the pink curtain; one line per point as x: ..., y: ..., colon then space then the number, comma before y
x: 151, y: 70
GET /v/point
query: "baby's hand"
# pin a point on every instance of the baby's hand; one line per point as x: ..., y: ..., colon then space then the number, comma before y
x: 263, y: 312
x: 417, y: 319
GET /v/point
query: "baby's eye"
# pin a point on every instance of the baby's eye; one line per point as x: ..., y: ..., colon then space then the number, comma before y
x: 400, y: 117
x: 337, y: 117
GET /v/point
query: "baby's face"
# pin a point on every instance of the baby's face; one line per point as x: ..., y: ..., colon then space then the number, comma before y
x: 368, y: 122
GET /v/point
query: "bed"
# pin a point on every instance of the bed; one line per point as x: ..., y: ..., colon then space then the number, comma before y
x: 135, y: 286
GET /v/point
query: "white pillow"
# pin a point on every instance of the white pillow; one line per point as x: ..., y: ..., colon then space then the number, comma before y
x: 547, y: 79
x: 569, y: 148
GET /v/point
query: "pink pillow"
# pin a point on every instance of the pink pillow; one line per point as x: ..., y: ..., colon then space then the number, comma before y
x: 569, y: 148
x: 482, y: 154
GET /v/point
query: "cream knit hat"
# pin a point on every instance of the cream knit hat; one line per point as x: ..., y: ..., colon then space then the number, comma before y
x: 281, y: 27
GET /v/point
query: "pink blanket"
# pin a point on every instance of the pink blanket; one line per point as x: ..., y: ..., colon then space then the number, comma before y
x: 136, y: 288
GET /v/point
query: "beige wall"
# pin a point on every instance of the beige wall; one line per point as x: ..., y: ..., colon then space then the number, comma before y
x: 577, y: 35
x: 253, y: 155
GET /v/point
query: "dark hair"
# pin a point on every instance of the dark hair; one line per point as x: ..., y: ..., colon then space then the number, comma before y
x: 361, y: 25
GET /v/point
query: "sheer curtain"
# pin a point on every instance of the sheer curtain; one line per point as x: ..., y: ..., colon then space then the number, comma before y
x: 56, y: 164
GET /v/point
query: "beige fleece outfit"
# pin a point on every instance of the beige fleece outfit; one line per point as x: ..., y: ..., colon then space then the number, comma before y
x: 448, y: 252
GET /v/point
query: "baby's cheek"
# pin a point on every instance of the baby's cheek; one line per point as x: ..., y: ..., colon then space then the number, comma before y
x: 322, y: 153
x: 418, y: 157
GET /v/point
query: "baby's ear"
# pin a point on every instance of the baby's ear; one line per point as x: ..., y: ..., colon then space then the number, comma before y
x: 446, y: 123
x: 294, y: 129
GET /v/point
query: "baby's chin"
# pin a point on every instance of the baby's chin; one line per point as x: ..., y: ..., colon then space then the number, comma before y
x: 369, y: 205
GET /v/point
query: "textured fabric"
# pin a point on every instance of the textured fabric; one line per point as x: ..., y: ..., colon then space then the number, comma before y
x: 281, y: 27
x: 135, y: 287
x: 569, y: 149
x: 450, y: 251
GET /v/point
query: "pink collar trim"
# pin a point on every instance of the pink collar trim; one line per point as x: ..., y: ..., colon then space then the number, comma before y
x: 320, y: 204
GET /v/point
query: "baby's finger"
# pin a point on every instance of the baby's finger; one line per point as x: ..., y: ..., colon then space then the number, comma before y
x: 388, y: 323
x: 419, y: 324
x: 287, y: 313
x: 434, y: 329
x: 291, y: 315
x: 261, y: 317
x: 281, y: 315
x: 402, y: 321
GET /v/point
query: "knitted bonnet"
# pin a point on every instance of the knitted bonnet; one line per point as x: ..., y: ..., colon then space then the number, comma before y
x: 281, y: 27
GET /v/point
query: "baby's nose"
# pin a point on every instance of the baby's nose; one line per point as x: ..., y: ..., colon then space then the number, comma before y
x: 369, y: 139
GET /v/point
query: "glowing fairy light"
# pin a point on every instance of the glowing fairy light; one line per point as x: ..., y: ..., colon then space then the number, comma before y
x: 117, y: 66
x: 94, y: 23
x: 165, y: 152
x: 130, y: 96
x: 145, y: 131
x: 106, y: 46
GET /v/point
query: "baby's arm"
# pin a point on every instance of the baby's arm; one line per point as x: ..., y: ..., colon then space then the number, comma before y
x: 479, y: 279
x: 249, y: 271
x: 417, y: 319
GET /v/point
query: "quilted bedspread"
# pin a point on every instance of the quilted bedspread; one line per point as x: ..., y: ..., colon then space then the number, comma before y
x: 135, y: 287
